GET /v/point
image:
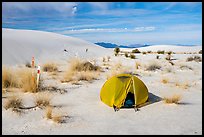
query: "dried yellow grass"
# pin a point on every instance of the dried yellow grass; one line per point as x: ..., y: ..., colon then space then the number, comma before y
x: 28, y: 80
x: 14, y: 103
x: 48, y: 113
x: 165, y: 80
x: 50, y: 67
x: 81, y: 70
x: 43, y: 99
x: 174, y: 99
x: 9, y: 78
x: 54, y: 116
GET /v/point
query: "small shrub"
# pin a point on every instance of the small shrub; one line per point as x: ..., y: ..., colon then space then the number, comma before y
x: 104, y: 59
x: 174, y: 99
x: 50, y: 67
x: 194, y: 58
x: 136, y: 51
x: 144, y: 52
x: 168, y: 57
x: 14, y: 102
x: 149, y: 51
x: 153, y: 66
x: 169, y: 52
x: 117, y: 50
x: 48, y: 113
x: 160, y: 51
x: 9, y: 79
x: 108, y: 58
x: 165, y: 80
x: 42, y: 100
x: 28, y: 64
x: 132, y: 56
x: 28, y: 80
x: 157, y: 57
x: 200, y: 52
x: 126, y: 55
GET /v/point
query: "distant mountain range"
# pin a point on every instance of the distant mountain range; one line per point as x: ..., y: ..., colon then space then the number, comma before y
x: 111, y: 45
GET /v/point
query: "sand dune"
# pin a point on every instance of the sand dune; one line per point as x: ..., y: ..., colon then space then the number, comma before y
x: 173, y: 48
x: 20, y: 45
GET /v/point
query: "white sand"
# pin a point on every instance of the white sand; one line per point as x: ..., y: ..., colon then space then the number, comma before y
x: 20, y: 45
x: 88, y: 115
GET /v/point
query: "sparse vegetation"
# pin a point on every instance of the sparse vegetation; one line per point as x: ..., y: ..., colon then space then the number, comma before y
x: 149, y: 51
x: 136, y: 51
x: 132, y: 56
x: 81, y: 70
x: 9, y: 78
x: 200, y: 52
x: 160, y: 51
x: 165, y: 80
x: 14, y: 103
x: 153, y: 66
x: 57, y: 117
x: 48, y: 113
x: 28, y: 80
x: 42, y: 100
x: 28, y: 64
x: 126, y: 55
x: 194, y: 58
x: 144, y: 52
x: 174, y: 99
x: 116, y: 50
x: 50, y: 67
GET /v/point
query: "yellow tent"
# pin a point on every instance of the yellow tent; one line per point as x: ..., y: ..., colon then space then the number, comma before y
x: 115, y: 90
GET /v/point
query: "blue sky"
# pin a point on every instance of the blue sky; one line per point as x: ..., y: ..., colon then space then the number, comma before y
x: 122, y: 23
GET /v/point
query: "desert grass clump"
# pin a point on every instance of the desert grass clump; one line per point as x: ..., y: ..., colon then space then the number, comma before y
x: 194, y: 58
x: 9, y: 79
x: 153, y: 66
x: 15, y: 103
x: 126, y: 55
x: 200, y: 52
x: 81, y: 70
x: 132, y: 56
x: 50, y: 67
x: 48, y: 113
x: 28, y: 64
x: 56, y: 117
x: 136, y: 51
x: 42, y: 99
x: 160, y: 51
x: 174, y: 99
x: 117, y: 50
x: 28, y: 80
x: 144, y: 52
x: 86, y: 76
x: 165, y: 80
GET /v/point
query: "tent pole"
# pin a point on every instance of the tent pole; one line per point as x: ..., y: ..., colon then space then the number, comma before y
x: 134, y: 92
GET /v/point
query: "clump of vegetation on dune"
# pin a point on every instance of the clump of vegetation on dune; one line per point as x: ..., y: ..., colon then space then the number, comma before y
x: 194, y: 58
x: 153, y: 66
x: 15, y: 103
x: 81, y: 70
x: 173, y: 99
x: 50, y: 67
